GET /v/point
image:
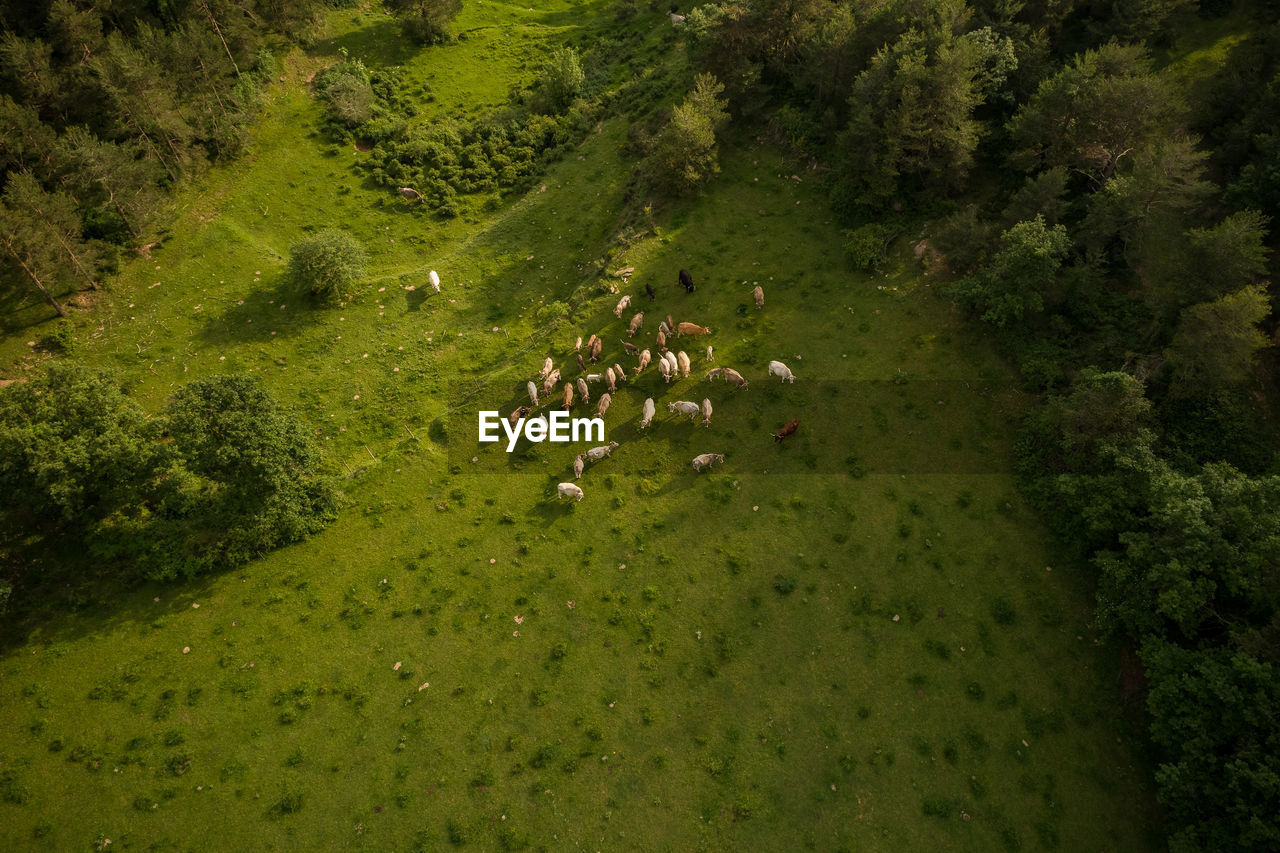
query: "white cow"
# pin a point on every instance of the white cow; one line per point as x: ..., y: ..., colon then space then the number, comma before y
x: 664, y: 367
x: 610, y: 380
x: 552, y: 380
x: 777, y: 368
x: 597, y: 453
x: 583, y: 390
x: 547, y: 365
x: 594, y: 377
x: 684, y: 407
x: 683, y: 360
x: 578, y: 465
x: 622, y: 305
x: 568, y: 490
x: 670, y: 359
x: 533, y: 393
x: 706, y: 460
x: 647, y: 413
x: 578, y: 345
x: 706, y: 412
x: 434, y: 278
x: 711, y: 355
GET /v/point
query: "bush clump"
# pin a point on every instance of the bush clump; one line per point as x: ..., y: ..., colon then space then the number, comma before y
x: 328, y: 264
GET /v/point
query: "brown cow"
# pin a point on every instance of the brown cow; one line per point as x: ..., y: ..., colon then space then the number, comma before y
x: 691, y: 329
x: 597, y: 347
x: 789, y: 429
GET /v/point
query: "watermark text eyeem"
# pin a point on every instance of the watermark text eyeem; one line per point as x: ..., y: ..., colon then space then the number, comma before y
x: 558, y: 427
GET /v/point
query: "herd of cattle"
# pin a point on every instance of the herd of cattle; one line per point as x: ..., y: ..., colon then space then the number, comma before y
x: 672, y: 366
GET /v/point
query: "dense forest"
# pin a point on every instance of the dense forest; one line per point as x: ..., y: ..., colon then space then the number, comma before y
x: 1105, y: 220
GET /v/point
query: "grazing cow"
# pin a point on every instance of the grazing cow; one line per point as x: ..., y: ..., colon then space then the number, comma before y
x: 582, y: 389
x: 519, y: 413
x: 644, y: 359
x: 578, y: 464
x: 664, y: 327
x: 568, y: 490
x: 533, y: 393
x: 603, y: 405
x: 671, y: 324
x: 789, y: 429
x: 706, y: 460
x: 728, y: 374
x: 683, y: 361
x: 618, y: 373
x: 684, y: 407
x: 568, y: 395
x: 578, y: 345
x: 670, y: 358
x: 780, y: 370
x: 686, y: 281
x: 646, y: 413
x: 434, y: 278
x: 553, y: 379
x: 758, y: 293
x: 546, y: 368
x: 734, y: 378
x: 634, y: 326
x: 706, y: 412
x: 664, y: 367
x: 591, y: 341
x: 622, y: 305
x: 582, y: 365
x: 610, y: 380
x: 411, y: 194
x: 676, y: 20
x: 648, y: 291
x: 595, y: 454
x: 691, y: 329
x: 711, y: 354
x: 596, y: 349
x: 662, y: 340
x: 631, y: 348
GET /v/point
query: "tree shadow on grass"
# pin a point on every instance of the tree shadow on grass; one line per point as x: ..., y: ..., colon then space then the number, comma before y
x: 380, y: 43
x: 279, y: 310
x: 64, y: 596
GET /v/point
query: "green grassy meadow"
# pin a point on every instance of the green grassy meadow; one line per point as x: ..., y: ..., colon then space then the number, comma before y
x: 861, y: 639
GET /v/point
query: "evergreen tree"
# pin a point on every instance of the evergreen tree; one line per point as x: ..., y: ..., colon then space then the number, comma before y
x: 1216, y: 342
x: 109, y: 176
x: 1090, y: 115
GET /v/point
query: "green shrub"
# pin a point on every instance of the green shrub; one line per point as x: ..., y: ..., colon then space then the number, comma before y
x: 867, y: 247
x: 61, y: 338
x: 327, y: 264
x: 348, y: 92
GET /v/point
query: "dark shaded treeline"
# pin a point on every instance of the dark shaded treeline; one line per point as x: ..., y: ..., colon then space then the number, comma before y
x: 1108, y: 224
x: 105, y: 105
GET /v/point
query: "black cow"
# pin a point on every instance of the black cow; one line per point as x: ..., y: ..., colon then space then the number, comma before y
x: 648, y: 290
x: 687, y: 281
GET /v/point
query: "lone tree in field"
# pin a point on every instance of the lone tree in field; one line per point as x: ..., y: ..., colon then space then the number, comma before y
x: 328, y: 264
x: 426, y: 21
x: 562, y: 79
x: 684, y: 155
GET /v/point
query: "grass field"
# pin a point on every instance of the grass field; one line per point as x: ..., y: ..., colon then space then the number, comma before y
x: 859, y: 639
